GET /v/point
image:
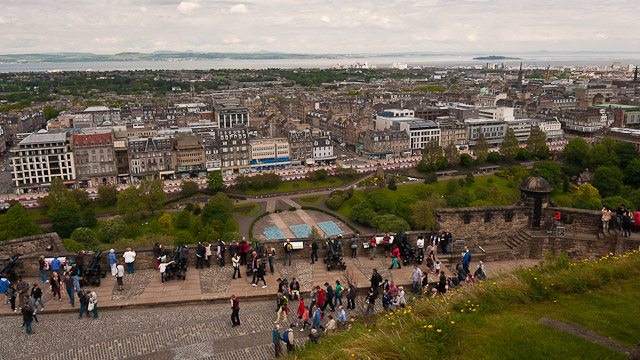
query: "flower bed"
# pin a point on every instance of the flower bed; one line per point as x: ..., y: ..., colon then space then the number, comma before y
x: 273, y: 233
x: 330, y: 228
x: 301, y: 231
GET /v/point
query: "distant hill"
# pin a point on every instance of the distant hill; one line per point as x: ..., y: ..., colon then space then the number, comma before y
x: 158, y: 56
x: 495, y: 57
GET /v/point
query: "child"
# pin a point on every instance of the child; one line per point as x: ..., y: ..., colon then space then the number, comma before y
x: 437, y: 267
x: 163, y: 267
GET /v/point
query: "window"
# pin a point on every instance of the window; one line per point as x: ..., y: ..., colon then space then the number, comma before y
x: 466, y: 216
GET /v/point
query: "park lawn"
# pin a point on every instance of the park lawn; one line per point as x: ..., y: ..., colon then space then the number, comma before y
x: 245, y: 210
x: 98, y: 208
x: 295, y: 185
x: 311, y: 200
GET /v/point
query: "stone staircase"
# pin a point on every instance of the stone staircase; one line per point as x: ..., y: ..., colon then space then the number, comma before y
x: 515, y: 242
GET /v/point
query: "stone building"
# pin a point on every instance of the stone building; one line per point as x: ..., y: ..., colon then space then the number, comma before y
x: 94, y: 155
x: 151, y: 156
x: 211, y: 151
x: 233, y: 144
x: 323, y: 150
x: 269, y: 153
x: 229, y: 113
x: 300, y: 147
x: 188, y: 157
x: 375, y: 144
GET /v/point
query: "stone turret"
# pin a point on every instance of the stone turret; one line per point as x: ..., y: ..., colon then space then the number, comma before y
x: 535, y: 193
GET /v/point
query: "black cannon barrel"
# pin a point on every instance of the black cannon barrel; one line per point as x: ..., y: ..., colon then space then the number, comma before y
x: 94, y: 262
x: 332, y: 247
x: 9, y: 267
x: 176, y: 254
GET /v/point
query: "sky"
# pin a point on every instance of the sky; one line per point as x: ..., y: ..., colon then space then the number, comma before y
x: 317, y: 26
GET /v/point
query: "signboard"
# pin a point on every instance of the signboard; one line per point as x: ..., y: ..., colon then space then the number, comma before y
x: 560, y: 231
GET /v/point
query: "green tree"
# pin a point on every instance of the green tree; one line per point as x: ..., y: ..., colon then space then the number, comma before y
x: 112, y: 229
x: 494, y: 157
x: 166, y: 223
x: 50, y: 112
x: 469, y: 180
x: 58, y: 195
x: 318, y: 175
x: 222, y: 198
x: 576, y: 151
x: 523, y: 154
x: 550, y: 171
x: 466, y: 160
x: 632, y: 173
x: 392, y: 184
x: 452, y: 154
x: 334, y: 202
x: 601, y: 155
x: 565, y: 184
x: 89, y: 218
x: 614, y: 202
x: 537, y: 143
x: 626, y: 153
x: 189, y: 188
x: 152, y: 193
x: 214, y: 179
x: 481, y: 149
x: 107, y: 195
x: 431, y: 154
x: 362, y: 213
x: 608, y: 180
x: 390, y: 223
x: 453, y: 187
x: 380, y: 201
x: 85, y: 236
x: 230, y: 236
x: 183, y: 221
x: 510, y: 145
x: 215, y: 211
x: 129, y: 201
x: 65, y: 219
x: 81, y: 197
x: 17, y: 223
x: 424, y: 212
x: 587, y: 197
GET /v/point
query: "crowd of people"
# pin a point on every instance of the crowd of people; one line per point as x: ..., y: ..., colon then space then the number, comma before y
x: 625, y: 220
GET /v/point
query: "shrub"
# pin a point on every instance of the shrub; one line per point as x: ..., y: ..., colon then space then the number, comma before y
x: 112, y: 229
x: 85, y: 237
x: 494, y: 157
x: 293, y: 208
x: 466, y: 160
x: 469, y: 179
x: 71, y: 245
x: 392, y: 184
x: 196, y: 209
x: 431, y: 178
x: 189, y: 207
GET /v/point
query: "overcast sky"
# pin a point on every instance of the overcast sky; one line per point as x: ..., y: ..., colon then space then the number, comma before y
x: 317, y: 26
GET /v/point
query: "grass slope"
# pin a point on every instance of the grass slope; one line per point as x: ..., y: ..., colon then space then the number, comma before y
x: 287, y: 186
x: 498, y: 319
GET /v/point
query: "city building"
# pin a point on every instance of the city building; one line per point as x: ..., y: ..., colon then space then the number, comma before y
x: 553, y: 128
x: 269, y: 153
x: 93, y: 151
x: 493, y: 130
x: 431, y: 113
x: 151, y: 156
x: 522, y: 128
x: 420, y: 131
x: 188, y: 157
x: 381, y: 144
x: 229, y: 113
x: 300, y: 147
x: 452, y: 130
x: 211, y: 153
x: 41, y: 157
x: 121, y: 154
x: 323, y: 150
x: 631, y: 136
x: 233, y: 144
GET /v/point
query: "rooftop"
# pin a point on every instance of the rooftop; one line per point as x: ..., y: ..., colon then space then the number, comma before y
x: 44, y: 137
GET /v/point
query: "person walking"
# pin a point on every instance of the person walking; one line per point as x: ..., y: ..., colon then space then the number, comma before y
x: 420, y: 246
x: 371, y: 302
x: 295, y: 289
x: 119, y: 276
x: 184, y: 256
x: 83, y: 298
x: 338, y: 294
x: 69, y: 285
x: 157, y: 254
x: 330, y: 295
x: 373, y: 246
x: 313, y: 295
x: 42, y: 265
x: 288, y: 249
x: 55, y: 264
x: 281, y: 303
x: 287, y: 337
x: 314, y: 251
x: 305, y: 318
x: 54, y: 284
x: 243, y: 248
x: 200, y: 252
x: 300, y: 311
x: 255, y: 265
x: 93, y: 303
x: 395, y: 260
x: 22, y: 289
x: 262, y: 270
x: 36, y: 297
x: 75, y: 273
x: 342, y: 316
x: 28, y: 301
x: 235, y: 311
x: 415, y: 277
x: 276, y: 340
x: 386, y: 244
x: 322, y: 298
x: 235, y: 261
x: 316, y: 322
x: 271, y: 256
x: 376, y: 279
x: 353, y: 243
x: 27, y: 318
x: 351, y: 297
x: 129, y: 259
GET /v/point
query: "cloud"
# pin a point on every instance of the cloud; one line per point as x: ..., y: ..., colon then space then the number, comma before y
x: 187, y: 7
x: 325, y: 19
x: 143, y: 9
x: 238, y: 9
x: 111, y: 40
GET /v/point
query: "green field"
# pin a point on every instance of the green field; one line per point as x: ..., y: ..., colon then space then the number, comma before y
x: 311, y: 200
x: 245, y: 209
x: 287, y: 186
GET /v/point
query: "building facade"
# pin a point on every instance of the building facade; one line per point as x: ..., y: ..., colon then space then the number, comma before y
x: 233, y: 144
x: 151, y: 156
x: 188, y: 157
x: 323, y: 150
x: 93, y: 151
x: 269, y: 153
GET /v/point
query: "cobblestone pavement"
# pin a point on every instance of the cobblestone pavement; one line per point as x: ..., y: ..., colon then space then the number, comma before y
x: 171, y: 332
x: 134, y: 285
x: 381, y: 266
x: 215, y: 279
x: 299, y: 269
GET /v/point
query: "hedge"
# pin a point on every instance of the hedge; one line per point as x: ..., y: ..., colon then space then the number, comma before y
x: 72, y: 246
x: 331, y: 214
x: 254, y: 222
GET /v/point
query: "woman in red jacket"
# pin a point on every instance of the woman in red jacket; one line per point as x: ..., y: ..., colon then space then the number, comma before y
x: 300, y: 311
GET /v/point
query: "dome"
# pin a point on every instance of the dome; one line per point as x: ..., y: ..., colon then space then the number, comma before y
x: 535, y: 184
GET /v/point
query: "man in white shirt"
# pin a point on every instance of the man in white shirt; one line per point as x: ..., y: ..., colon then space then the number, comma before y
x: 420, y: 245
x: 129, y: 258
x: 119, y: 276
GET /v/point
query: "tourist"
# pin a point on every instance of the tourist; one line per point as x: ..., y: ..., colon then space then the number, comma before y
x: 207, y: 254
x: 437, y: 267
x: 54, y: 285
x: 235, y: 311
x: 466, y: 259
x: 184, y: 256
x: 271, y: 256
x: 606, y: 217
x: 200, y: 252
x: 305, y: 318
x: 351, y: 297
x: 386, y: 300
x: 235, y: 262
x: 281, y: 303
x: 36, y: 297
x: 80, y: 259
x: 112, y: 261
x: 376, y: 279
x: 129, y: 259
x: 276, y: 340
x: 22, y: 289
x: 55, y: 265
x: 353, y: 243
x: 417, y: 274
x: 330, y: 296
x: 394, y: 304
x: 626, y: 223
x: 401, y: 296
x: 371, y: 302
x: 331, y: 324
x: 285, y: 291
x: 385, y: 285
x: 10, y: 294
x: 233, y: 248
x: 393, y: 289
x: 255, y: 264
x: 636, y: 220
x: 373, y: 246
x: 295, y: 289
x: 386, y: 243
x: 288, y: 249
x: 448, y: 242
x: 619, y: 213
x: 75, y: 273
x: 93, y: 303
x: 287, y: 337
x: 314, y: 251
x: 316, y: 321
x: 314, y: 336
x: 220, y: 252
x: 163, y: 268
x: 42, y: 266
x: 27, y: 318
x: 314, y: 297
x: 157, y: 254
x: 243, y: 248
x: 69, y: 285
x: 322, y: 298
x: 262, y: 270
x: 420, y: 246
x: 338, y: 294
x: 300, y: 310
x: 119, y: 276
x: 395, y: 261
x: 431, y: 262
x: 481, y: 272
x: 83, y: 298
x: 342, y: 316
x: 28, y: 301
x: 4, y: 285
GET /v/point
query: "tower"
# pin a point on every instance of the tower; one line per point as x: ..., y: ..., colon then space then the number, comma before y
x: 635, y: 75
x: 520, y: 76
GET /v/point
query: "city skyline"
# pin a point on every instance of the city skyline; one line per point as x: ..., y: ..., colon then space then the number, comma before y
x: 316, y: 28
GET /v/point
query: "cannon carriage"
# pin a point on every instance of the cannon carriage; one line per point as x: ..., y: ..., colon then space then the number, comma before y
x: 93, y: 273
x: 333, y: 258
x: 408, y: 252
x: 10, y: 271
x: 177, y: 269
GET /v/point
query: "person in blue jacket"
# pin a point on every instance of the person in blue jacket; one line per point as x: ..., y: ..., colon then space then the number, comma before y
x: 466, y: 259
x: 113, y: 261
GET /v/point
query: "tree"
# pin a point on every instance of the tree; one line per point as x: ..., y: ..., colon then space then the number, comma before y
x: 214, y: 179
x: 392, y: 184
x: 466, y: 160
x: 362, y: 213
x: 215, y: 211
x: 196, y: 209
x: 318, y: 175
x: 481, y: 149
x: 608, y: 180
x: 565, y: 184
x: 129, y: 201
x: 112, y: 229
x: 510, y: 145
x: 537, y: 143
x: 452, y: 154
x: 17, y: 223
x: 494, y: 157
x: 89, y: 218
x: 152, y: 193
x: 50, y: 112
x: 380, y: 202
x: 626, y: 153
x: 424, y: 212
x: 58, y: 195
x: 85, y: 236
x: 189, y: 188
x: 223, y: 199
x: 614, y: 202
x: 390, y: 223
x: 523, y: 154
x: 184, y: 220
x: 587, y: 197
x: 65, y: 220
x: 632, y: 173
x: 231, y: 236
x: 166, y: 223
x: 576, y: 151
x: 334, y: 202
x: 107, y: 195
x: 453, y: 187
x: 600, y: 155
x: 550, y: 171
x: 431, y: 154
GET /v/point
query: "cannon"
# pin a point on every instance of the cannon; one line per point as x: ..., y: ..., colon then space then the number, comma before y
x: 9, y: 271
x: 407, y: 251
x: 333, y: 259
x: 177, y: 269
x: 93, y: 272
